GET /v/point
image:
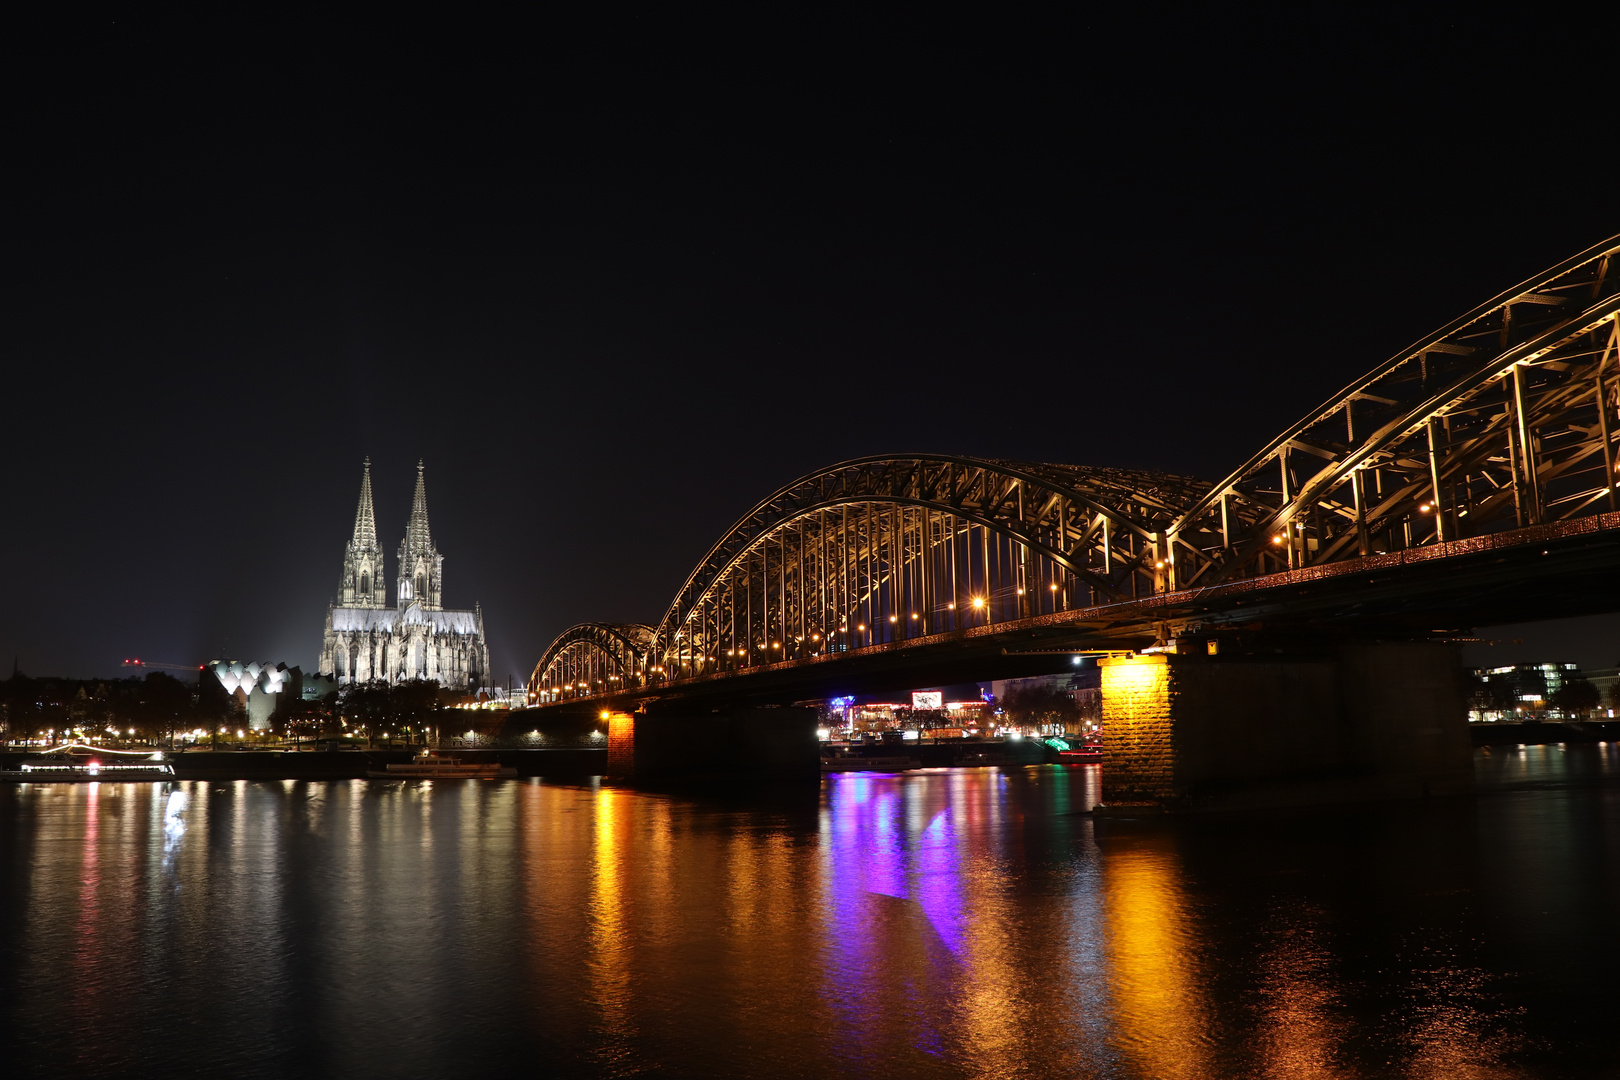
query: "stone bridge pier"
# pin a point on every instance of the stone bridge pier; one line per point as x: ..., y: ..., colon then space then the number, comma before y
x: 1341, y: 723
x: 676, y: 743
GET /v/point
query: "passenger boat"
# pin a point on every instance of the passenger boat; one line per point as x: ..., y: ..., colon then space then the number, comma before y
x: 82, y: 764
x: 837, y: 758
x: 977, y: 754
x: 431, y: 766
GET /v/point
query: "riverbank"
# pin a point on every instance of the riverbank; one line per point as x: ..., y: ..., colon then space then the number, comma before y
x: 1539, y: 733
x: 352, y: 764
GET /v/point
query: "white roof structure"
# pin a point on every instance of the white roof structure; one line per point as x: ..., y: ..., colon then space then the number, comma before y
x: 251, y: 675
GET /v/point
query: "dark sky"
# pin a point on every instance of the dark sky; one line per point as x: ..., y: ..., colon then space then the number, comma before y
x: 615, y: 281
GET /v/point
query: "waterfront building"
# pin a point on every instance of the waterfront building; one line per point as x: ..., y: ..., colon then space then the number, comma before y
x: 257, y: 688
x: 1513, y: 690
x: 417, y: 638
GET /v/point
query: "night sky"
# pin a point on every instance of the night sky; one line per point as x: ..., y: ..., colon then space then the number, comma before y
x: 616, y: 281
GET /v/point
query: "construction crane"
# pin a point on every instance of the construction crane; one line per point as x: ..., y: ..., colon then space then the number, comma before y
x: 143, y: 665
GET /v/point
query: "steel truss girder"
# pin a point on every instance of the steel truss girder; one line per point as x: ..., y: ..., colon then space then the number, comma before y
x: 601, y: 656
x: 1103, y: 529
x: 1505, y: 417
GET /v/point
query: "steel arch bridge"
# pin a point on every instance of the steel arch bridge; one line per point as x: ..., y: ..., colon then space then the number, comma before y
x: 593, y: 658
x: 1502, y: 419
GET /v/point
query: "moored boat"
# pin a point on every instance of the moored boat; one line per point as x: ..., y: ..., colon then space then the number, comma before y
x: 431, y: 766
x: 78, y: 763
x: 838, y: 758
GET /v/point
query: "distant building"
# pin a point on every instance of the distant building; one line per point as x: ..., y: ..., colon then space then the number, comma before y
x: 418, y: 638
x: 316, y: 687
x: 1508, y: 691
x: 1606, y: 680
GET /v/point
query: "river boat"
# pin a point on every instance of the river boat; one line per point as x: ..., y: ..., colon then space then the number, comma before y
x: 79, y: 764
x: 855, y: 758
x: 430, y: 766
x: 979, y: 754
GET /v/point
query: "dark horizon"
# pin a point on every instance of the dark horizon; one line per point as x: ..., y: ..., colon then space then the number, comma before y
x: 614, y: 292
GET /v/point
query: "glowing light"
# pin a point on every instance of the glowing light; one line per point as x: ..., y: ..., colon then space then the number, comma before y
x: 978, y: 601
x: 1276, y: 539
x: 823, y: 734
x: 1053, y: 587
x: 894, y: 618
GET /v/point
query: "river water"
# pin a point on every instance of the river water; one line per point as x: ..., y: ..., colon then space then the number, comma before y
x: 946, y: 923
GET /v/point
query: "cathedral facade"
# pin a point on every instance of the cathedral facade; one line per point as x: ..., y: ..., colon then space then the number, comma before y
x: 417, y: 638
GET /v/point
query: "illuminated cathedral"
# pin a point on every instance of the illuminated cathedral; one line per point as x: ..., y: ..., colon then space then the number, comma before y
x: 417, y: 638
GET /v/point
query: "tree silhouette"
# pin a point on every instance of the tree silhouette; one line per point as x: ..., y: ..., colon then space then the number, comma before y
x: 1577, y: 697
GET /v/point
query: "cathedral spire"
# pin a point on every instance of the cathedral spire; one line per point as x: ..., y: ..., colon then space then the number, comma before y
x: 416, y: 533
x: 365, y: 518
x: 421, y: 567
x: 363, y: 584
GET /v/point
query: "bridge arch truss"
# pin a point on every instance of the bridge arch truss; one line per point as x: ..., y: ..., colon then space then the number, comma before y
x: 1502, y: 419
x: 590, y: 659
x: 885, y: 549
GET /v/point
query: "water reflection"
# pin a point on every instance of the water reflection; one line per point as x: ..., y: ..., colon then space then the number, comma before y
x: 1160, y: 1017
x: 936, y: 923
x: 610, y: 950
x: 174, y: 826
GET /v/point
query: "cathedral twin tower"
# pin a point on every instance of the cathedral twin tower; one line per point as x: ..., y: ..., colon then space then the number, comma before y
x: 367, y: 641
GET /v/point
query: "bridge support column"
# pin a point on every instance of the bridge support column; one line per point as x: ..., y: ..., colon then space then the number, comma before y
x: 1347, y: 722
x: 742, y: 743
x: 621, y: 741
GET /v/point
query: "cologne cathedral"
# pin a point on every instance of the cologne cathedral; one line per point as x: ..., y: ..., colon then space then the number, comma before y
x: 417, y: 638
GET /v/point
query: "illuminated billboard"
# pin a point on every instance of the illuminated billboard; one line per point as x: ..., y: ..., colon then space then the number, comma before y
x: 927, y: 699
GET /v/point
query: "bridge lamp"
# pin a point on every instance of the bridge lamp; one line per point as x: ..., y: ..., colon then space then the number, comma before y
x: 951, y: 605
x: 861, y: 628
x: 1276, y: 539
x: 913, y: 614
x: 1053, y: 586
x: 894, y: 618
x: 1020, y: 592
x: 815, y: 637
x: 1423, y: 509
x: 978, y: 601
